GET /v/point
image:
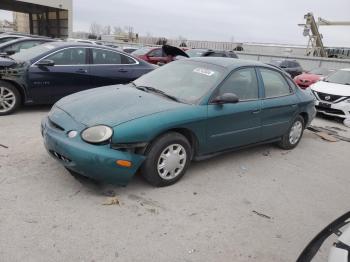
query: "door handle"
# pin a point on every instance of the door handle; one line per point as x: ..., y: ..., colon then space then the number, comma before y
x: 294, y: 106
x: 122, y: 70
x: 82, y: 71
x: 256, y: 111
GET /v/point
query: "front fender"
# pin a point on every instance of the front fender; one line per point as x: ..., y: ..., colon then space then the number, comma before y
x: 147, y: 128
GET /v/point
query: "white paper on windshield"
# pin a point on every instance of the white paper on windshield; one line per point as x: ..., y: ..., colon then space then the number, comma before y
x: 204, y: 71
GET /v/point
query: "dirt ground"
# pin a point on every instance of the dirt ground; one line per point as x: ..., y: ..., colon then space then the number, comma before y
x: 260, y: 204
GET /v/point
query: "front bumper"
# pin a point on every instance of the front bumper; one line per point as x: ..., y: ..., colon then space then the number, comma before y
x: 340, y: 109
x: 95, y: 161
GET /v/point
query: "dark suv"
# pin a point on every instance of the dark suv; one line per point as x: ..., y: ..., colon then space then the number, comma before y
x: 198, y: 52
x: 292, y: 67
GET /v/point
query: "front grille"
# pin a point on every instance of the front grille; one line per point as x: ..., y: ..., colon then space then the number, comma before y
x: 54, y: 125
x: 330, y: 110
x: 60, y: 157
x: 328, y: 97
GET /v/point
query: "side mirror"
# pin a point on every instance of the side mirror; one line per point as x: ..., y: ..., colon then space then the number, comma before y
x: 45, y: 62
x: 10, y: 52
x: 226, y: 98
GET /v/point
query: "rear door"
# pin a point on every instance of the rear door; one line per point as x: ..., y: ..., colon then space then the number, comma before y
x: 111, y: 67
x: 279, y: 106
x: 69, y: 74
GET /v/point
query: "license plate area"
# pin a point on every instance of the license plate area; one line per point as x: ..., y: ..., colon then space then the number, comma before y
x: 325, y: 105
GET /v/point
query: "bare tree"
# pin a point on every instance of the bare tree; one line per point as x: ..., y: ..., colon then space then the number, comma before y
x: 107, y: 30
x: 95, y: 29
x: 117, y: 30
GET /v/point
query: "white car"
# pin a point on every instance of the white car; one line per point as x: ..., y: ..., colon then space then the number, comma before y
x: 333, y: 94
x: 340, y: 250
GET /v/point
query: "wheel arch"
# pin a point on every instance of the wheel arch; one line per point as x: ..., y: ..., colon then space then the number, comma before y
x: 19, y: 88
x: 187, y: 133
x: 305, y: 116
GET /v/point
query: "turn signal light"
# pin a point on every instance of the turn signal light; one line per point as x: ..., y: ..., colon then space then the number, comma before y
x: 123, y: 163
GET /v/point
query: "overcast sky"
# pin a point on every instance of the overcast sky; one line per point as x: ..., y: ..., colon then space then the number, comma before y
x: 272, y: 21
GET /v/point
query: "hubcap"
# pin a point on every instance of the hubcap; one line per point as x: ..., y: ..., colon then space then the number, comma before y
x: 295, y: 132
x: 7, y: 99
x: 171, y: 161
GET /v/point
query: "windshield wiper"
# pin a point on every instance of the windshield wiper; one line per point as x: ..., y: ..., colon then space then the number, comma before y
x: 157, y: 91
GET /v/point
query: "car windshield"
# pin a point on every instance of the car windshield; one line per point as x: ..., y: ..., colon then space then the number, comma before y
x: 320, y: 71
x: 196, y: 52
x: 142, y: 51
x: 187, y: 81
x: 339, y: 77
x: 33, y: 52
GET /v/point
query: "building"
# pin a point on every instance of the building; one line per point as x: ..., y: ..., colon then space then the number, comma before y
x: 42, y: 17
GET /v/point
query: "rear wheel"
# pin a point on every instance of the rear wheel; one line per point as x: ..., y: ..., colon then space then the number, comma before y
x: 168, y: 158
x: 10, y: 98
x: 292, y: 137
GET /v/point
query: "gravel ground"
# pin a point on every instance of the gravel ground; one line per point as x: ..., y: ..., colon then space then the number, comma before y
x: 212, y: 214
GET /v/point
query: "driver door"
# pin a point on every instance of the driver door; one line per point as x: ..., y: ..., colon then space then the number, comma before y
x: 69, y: 74
x: 238, y: 124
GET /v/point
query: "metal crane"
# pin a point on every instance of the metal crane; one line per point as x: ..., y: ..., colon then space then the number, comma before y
x: 315, y: 45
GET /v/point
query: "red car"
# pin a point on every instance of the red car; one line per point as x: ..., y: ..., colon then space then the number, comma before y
x: 159, y: 55
x: 308, y: 78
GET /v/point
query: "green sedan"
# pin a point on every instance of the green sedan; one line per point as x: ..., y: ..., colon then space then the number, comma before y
x: 188, y: 110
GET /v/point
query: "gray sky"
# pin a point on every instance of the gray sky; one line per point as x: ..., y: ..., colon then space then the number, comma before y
x: 273, y: 21
x: 245, y: 20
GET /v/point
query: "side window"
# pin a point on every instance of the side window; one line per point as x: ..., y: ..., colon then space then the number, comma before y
x: 28, y: 44
x: 127, y: 60
x: 156, y: 53
x: 70, y: 56
x: 243, y: 83
x: 274, y: 83
x: 105, y: 57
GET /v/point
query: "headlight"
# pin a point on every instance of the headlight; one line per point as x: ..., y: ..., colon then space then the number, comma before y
x: 97, y: 134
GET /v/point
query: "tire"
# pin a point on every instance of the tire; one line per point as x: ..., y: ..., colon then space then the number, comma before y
x: 10, y: 98
x: 167, y: 159
x: 290, y: 140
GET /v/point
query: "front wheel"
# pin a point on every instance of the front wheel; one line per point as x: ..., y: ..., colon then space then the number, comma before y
x: 168, y: 158
x: 292, y: 137
x: 10, y: 98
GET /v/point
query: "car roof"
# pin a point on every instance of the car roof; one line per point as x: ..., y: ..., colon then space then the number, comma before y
x: 229, y: 63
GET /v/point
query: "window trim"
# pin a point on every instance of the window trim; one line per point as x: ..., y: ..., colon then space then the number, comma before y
x: 214, y: 93
x: 101, y: 48
x: 291, y: 89
x: 88, y: 56
x: 59, y: 50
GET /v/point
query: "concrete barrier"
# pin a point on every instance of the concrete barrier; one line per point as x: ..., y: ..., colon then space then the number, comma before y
x: 306, y: 62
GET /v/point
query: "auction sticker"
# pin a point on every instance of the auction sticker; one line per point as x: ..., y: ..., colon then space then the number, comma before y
x: 204, y: 71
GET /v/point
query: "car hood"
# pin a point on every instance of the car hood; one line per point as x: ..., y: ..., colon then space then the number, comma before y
x: 331, y: 88
x: 173, y: 51
x: 4, y: 62
x: 113, y: 105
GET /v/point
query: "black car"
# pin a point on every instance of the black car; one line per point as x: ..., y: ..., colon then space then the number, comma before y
x: 45, y: 73
x: 198, y: 52
x: 292, y: 67
x: 16, y: 45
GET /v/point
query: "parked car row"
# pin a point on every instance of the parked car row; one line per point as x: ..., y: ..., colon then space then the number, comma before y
x: 155, y: 121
